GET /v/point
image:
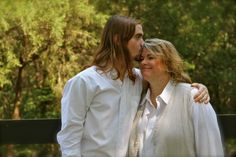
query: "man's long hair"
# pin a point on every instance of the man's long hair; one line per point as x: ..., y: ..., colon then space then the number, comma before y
x: 112, y: 52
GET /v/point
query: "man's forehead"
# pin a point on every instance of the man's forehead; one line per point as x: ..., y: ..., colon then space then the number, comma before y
x: 138, y: 29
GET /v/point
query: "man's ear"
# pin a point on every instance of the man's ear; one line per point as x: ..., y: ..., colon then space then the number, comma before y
x: 116, y: 39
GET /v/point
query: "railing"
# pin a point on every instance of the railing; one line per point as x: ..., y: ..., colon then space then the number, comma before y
x: 43, y: 131
x: 33, y: 131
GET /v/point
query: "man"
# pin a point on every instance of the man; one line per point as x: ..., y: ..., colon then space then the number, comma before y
x: 99, y: 103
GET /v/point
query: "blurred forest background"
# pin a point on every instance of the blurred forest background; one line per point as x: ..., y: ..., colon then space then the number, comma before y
x: 45, y: 42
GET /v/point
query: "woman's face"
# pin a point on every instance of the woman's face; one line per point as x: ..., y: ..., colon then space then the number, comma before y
x: 152, y: 66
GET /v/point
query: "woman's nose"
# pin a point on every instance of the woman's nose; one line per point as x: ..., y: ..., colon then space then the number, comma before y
x: 143, y: 61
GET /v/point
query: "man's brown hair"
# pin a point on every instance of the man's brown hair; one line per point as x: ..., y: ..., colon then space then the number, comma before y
x: 112, y: 51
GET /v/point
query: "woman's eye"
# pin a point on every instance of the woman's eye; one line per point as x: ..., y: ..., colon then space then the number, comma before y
x: 141, y: 58
x: 151, y: 57
x: 138, y: 58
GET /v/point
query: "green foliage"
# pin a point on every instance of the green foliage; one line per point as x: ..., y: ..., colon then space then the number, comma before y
x: 34, y: 150
x: 44, y: 43
x: 204, y: 34
x: 41, y: 102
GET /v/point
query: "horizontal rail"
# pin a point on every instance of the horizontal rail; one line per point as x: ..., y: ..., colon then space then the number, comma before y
x: 43, y: 131
x: 227, y: 124
x: 32, y: 131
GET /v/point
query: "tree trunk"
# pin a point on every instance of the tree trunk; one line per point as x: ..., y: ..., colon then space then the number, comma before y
x: 16, y: 110
x: 9, y: 151
x: 18, y: 96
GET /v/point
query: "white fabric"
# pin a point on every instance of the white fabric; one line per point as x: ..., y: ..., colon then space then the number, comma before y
x: 182, y: 127
x: 148, y: 121
x: 97, y: 114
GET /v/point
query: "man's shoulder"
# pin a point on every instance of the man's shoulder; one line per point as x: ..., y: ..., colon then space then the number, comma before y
x: 85, y: 74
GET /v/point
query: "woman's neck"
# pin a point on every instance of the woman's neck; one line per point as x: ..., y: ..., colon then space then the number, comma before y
x: 157, y: 86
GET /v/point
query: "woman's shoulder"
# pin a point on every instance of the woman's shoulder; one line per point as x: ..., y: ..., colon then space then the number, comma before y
x: 186, y: 88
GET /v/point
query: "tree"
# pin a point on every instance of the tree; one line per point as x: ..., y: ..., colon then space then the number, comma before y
x: 204, y: 34
x: 42, y: 45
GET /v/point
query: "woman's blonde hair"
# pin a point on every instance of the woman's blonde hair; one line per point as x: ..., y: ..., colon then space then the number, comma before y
x: 170, y: 58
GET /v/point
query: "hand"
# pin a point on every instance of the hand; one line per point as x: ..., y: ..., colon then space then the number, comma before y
x: 202, y: 94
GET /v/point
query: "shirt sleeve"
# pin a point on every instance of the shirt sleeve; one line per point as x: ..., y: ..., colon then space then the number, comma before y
x: 75, y: 102
x: 208, y: 140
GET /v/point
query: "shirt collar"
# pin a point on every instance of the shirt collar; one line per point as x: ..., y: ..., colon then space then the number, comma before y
x: 112, y: 73
x: 166, y: 93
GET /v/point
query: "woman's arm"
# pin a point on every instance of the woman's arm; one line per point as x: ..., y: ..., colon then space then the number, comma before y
x: 208, y: 140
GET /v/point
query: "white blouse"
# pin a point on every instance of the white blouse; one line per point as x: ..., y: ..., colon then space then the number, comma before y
x: 178, y: 126
x: 97, y: 114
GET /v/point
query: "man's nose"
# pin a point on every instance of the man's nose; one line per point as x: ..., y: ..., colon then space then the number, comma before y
x: 142, y: 44
x: 142, y: 41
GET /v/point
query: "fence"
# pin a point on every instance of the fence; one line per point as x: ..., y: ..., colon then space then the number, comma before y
x: 43, y: 131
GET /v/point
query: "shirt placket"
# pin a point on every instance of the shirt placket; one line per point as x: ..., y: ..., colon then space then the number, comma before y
x: 121, y: 113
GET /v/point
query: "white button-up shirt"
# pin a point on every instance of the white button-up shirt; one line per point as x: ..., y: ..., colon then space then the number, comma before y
x: 97, y: 114
x: 148, y: 121
x: 178, y: 126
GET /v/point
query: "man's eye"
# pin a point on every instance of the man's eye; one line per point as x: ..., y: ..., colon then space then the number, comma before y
x: 138, y: 36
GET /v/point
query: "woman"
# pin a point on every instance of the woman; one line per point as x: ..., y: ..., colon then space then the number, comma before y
x: 169, y: 122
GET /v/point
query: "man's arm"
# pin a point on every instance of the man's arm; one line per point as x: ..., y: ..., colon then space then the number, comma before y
x: 75, y: 102
x: 202, y: 95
